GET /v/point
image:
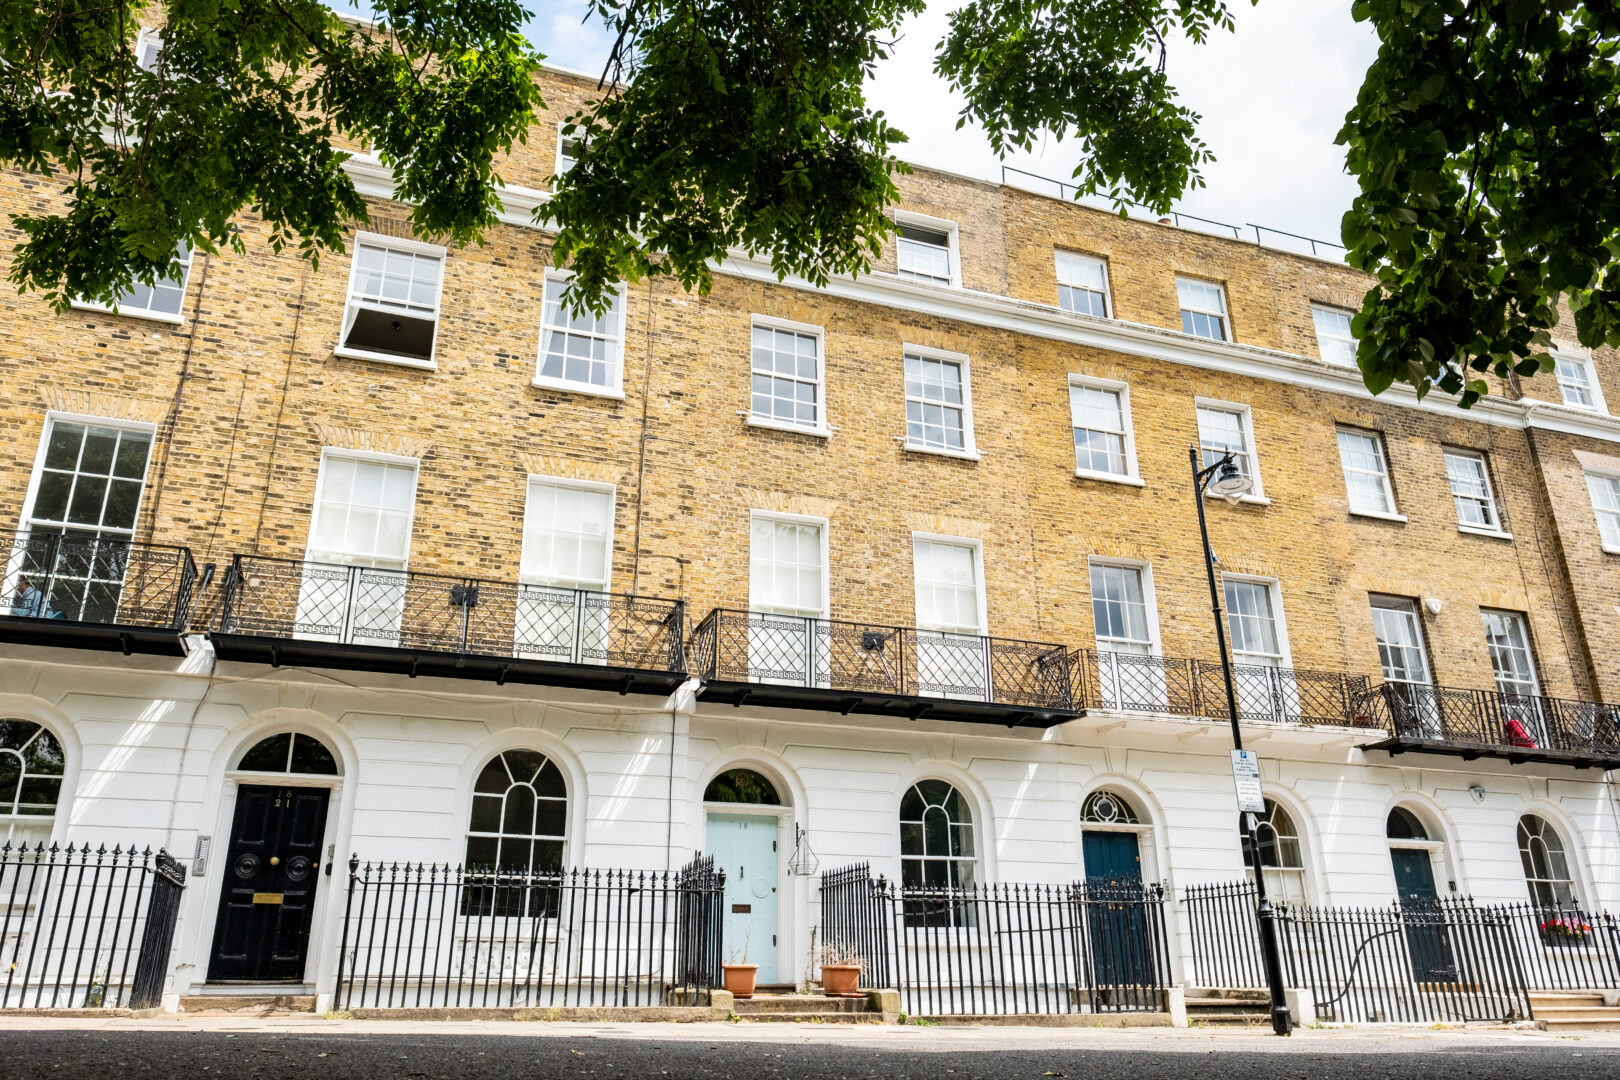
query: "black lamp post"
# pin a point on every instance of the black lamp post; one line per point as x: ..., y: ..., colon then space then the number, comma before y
x: 1225, y: 479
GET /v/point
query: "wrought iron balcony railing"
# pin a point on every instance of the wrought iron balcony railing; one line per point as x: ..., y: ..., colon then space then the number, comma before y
x: 796, y: 662
x: 1490, y: 723
x: 1179, y: 686
x: 96, y: 593
x: 283, y: 611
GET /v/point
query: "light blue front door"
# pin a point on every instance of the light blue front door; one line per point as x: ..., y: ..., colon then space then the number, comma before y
x: 744, y: 846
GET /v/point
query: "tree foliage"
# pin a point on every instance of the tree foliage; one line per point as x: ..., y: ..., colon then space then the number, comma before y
x: 1486, y: 140
x: 1483, y: 139
x: 730, y: 124
x: 241, y: 111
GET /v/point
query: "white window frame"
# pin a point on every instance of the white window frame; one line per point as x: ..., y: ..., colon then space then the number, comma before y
x: 147, y: 35
x: 821, y: 428
x: 1406, y: 606
x: 1377, y: 437
x: 1599, y: 513
x: 1131, y: 475
x: 610, y: 490
x: 1495, y: 531
x: 25, y: 523
x: 941, y: 225
x: 1256, y: 494
x: 413, y: 247
x: 1150, y: 603
x: 1320, y: 351
x: 1584, y: 359
x: 1522, y: 619
x: 615, y: 391
x: 558, y: 168
x: 1058, y: 255
x: 1285, y: 657
x: 127, y: 311
x: 826, y: 574
x: 372, y: 456
x: 1225, y: 314
x: 976, y: 546
x: 970, y: 448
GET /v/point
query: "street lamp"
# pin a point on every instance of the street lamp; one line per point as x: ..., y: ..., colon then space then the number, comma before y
x: 1225, y: 479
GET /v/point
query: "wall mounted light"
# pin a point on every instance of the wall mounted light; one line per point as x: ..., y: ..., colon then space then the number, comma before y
x: 1433, y: 604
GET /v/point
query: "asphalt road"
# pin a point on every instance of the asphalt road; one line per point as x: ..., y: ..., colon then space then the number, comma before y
x: 98, y: 1054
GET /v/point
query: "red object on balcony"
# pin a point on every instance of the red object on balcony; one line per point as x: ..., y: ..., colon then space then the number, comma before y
x: 1517, y: 735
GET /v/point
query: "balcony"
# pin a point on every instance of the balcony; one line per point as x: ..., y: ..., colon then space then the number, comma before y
x: 96, y: 594
x: 1180, y: 686
x: 1488, y: 723
x: 792, y: 662
x: 284, y: 611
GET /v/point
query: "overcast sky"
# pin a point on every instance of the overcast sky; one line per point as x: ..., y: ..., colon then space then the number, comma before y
x: 1273, y: 95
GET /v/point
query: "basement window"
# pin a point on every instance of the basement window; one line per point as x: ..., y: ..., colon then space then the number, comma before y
x: 393, y: 308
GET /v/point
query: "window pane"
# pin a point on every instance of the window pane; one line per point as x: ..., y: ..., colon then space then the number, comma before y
x: 1365, y: 478
x: 584, y: 348
x: 1400, y: 641
x: 785, y: 567
x: 364, y: 514
x: 934, y: 399
x: 1333, y: 336
x: 786, y: 376
x: 565, y: 536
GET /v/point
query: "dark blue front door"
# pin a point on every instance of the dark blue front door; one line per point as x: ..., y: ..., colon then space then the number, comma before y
x: 1121, y: 952
x: 1432, y: 960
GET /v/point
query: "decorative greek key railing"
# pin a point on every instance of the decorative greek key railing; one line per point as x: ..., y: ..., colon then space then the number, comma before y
x: 444, y: 614
x: 866, y: 658
x: 113, y: 582
x: 1495, y: 720
x: 1180, y: 686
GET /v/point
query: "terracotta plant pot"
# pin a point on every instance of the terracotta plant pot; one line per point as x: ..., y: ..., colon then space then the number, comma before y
x: 740, y: 979
x: 840, y: 980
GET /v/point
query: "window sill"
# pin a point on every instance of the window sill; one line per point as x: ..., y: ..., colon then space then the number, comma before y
x: 1378, y: 515
x: 1251, y: 500
x: 384, y: 358
x: 1110, y: 478
x: 817, y: 432
x: 961, y: 455
x: 1493, y: 534
x: 132, y: 313
x: 576, y: 388
x: 1611, y: 550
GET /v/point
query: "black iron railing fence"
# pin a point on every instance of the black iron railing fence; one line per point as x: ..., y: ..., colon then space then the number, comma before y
x: 868, y: 658
x: 84, y: 928
x: 1182, y: 686
x: 1003, y: 949
x: 1406, y: 963
x: 433, y: 936
x: 1497, y: 720
x: 438, y: 613
x: 1440, y: 960
x: 105, y: 581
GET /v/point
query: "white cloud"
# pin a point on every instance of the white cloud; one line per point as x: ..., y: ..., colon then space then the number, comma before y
x: 1273, y: 96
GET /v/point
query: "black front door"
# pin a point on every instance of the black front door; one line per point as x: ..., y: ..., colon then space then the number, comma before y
x: 271, y: 870
x: 1121, y: 951
x: 1432, y: 961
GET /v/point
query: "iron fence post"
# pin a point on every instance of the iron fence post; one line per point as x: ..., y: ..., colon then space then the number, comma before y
x: 163, y: 908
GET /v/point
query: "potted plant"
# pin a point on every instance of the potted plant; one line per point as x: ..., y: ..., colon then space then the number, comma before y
x: 1564, y: 929
x: 740, y: 975
x: 841, y: 968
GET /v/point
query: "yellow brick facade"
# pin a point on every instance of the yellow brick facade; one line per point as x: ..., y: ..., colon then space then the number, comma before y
x: 246, y: 392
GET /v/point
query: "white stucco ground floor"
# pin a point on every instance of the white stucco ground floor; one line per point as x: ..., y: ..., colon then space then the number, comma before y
x: 170, y: 752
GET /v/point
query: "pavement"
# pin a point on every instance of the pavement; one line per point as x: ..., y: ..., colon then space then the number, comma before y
x: 277, y: 1047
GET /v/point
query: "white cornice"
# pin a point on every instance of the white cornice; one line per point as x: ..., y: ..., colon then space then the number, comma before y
x: 990, y: 310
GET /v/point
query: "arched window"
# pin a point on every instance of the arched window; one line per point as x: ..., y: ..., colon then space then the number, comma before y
x: 290, y: 752
x: 936, y: 837
x: 1402, y: 824
x: 519, y: 815
x: 31, y: 767
x: 1107, y: 808
x: 1281, y: 854
x: 742, y: 786
x: 1546, y: 866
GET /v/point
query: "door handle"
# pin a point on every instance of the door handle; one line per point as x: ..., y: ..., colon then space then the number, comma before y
x: 275, y: 860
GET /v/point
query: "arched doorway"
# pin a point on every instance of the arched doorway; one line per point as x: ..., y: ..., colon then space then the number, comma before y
x: 743, y: 818
x: 272, y: 866
x: 1411, y: 854
x: 1110, y: 846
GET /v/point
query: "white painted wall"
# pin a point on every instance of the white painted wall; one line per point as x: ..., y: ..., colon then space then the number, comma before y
x: 152, y: 743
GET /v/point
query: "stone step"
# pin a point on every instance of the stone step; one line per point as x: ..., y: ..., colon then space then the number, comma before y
x: 1228, y: 1019
x: 1610, y: 1023
x: 246, y: 1004
x: 1575, y: 1012
x: 1566, y: 998
x: 1263, y: 1005
x: 1204, y: 993
x: 797, y: 1004
x: 818, y: 1017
